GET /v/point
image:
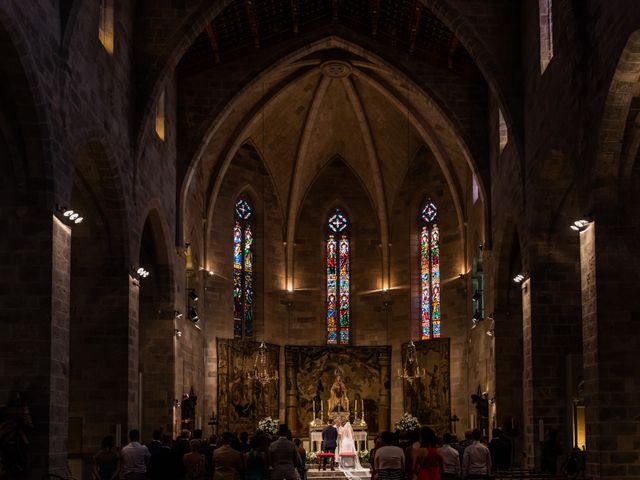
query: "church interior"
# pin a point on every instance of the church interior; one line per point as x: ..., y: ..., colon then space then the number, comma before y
x: 219, y: 211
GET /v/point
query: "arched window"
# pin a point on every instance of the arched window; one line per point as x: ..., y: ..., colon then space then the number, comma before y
x: 338, y: 301
x: 243, y: 270
x: 429, y: 272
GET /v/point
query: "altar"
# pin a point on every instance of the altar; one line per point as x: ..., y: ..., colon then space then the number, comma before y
x: 315, y: 439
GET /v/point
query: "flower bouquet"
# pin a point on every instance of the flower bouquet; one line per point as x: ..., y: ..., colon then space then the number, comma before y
x: 268, y: 426
x: 407, y: 423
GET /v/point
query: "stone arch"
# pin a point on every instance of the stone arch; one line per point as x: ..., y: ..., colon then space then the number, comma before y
x: 309, y: 267
x: 194, y: 23
x: 24, y: 110
x: 247, y: 175
x: 33, y: 252
x: 508, y: 327
x: 99, y: 264
x: 157, y: 325
x: 618, y: 140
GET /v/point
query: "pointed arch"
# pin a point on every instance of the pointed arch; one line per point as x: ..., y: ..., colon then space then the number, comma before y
x: 429, y: 237
x: 243, y: 271
x: 338, y: 266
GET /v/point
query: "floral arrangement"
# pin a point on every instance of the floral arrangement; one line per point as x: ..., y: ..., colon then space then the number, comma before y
x: 364, y: 456
x: 312, y: 457
x: 268, y: 426
x: 407, y: 423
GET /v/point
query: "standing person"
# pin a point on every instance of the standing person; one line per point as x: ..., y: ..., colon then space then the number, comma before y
x: 551, y: 450
x: 228, y: 463
x: 302, y: 453
x: 389, y: 459
x: 500, y: 451
x: 476, y: 463
x: 155, y: 444
x: 377, y: 443
x: 194, y: 464
x: 135, y: 458
x: 161, y: 465
x: 329, y: 444
x: 428, y: 463
x: 255, y: 461
x: 410, y: 453
x: 244, y: 442
x: 284, y: 456
x: 107, y: 461
x: 450, y: 459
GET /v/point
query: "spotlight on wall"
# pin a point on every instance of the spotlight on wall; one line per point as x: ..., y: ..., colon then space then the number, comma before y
x: 193, y: 315
x: 580, y: 225
x: 177, y: 314
x: 193, y: 295
x: 477, y: 295
x: 519, y: 278
x: 177, y: 332
x: 142, y: 272
x: 476, y: 319
x: 70, y: 216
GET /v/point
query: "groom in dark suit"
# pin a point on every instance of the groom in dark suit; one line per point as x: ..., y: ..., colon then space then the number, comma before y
x: 329, y: 443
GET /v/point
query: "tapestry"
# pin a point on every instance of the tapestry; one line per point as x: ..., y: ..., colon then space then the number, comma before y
x: 242, y: 402
x: 429, y: 397
x: 360, y: 375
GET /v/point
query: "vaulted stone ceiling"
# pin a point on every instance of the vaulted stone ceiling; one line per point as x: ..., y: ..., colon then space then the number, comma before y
x: 406, y: 25
x: 331, y: 98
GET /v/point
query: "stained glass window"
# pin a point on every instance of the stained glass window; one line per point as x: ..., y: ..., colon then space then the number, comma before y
x: 243, y: 270
x: 429, y: 272
x: 338, y: 300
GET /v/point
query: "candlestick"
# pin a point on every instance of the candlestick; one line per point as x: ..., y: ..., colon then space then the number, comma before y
x: 314, y: 409
x: 541, y: 429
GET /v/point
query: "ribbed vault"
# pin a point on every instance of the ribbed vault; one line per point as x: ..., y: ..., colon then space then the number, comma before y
x: 333, y: 99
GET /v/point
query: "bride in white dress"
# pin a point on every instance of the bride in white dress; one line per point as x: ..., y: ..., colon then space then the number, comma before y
x: 346, y: 453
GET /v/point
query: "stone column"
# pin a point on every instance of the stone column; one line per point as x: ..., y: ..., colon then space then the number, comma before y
x: 35, y: 331
x: 610, y: 317
x: 291, y: 403
x: 384, y: 400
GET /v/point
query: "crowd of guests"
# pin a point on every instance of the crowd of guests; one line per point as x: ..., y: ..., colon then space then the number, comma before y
x: 423, y: 457
x: 190, y: 457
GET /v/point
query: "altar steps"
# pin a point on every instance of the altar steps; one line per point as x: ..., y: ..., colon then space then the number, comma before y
x: 314, y: 474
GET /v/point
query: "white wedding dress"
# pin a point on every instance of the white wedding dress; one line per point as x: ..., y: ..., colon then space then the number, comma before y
x: 346, y: 453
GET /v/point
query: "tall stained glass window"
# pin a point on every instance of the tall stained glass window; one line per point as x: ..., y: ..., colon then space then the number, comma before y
x: 243, y: 270
x: 338, y: 301
x: 429, y: 272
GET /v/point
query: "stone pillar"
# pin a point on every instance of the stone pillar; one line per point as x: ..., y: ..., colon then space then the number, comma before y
x: 551, y: 332
x: 384, y: 400
x: 291, y: 403
x: 527, y: 377
x: 34, y: 344
x: 132, y: 421
x: 610, y: 315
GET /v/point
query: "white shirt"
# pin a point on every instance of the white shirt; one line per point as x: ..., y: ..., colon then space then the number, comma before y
x: 134, y: 458
x: 476, y: 460
x: 451, y: 459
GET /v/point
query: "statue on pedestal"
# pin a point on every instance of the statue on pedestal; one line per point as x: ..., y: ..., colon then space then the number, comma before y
x: 338, y: 399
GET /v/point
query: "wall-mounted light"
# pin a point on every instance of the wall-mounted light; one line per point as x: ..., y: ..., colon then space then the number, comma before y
x: 193, y: 315
x: 142, y: 272
x: 193, y: 295
x: 519, y: 278
x: 476, y: 319
x: 177, y: 332
x: 177, y: 314
x: 477, y: 295
x: 70, y: 216
x: 580, y: 225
